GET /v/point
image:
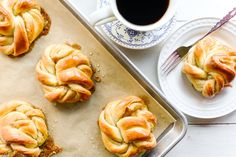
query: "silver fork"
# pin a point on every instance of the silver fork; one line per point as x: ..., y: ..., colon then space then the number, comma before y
x: 181, y: 52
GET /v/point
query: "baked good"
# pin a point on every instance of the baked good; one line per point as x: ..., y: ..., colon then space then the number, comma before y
x: 210, y: 66
x: 126, y: 127
x: 22, y: 129
x: 22, y: 21
x: 65, y: 74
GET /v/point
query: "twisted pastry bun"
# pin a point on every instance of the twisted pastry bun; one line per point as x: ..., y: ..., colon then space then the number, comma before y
x: 22, y: 129
x: 126, y: 127
x: 65, y: 74
x: 210, y: 66
x: 21, y: 22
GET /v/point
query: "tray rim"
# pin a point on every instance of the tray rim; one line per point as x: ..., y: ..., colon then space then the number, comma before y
x: 139, y: 77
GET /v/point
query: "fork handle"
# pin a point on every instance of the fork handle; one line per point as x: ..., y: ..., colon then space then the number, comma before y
x: 225, y: 19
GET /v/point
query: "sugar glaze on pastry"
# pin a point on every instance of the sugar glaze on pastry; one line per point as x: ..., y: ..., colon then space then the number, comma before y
x: 210, y: 66
x: 23, y: 129
x: 65, y: 74
x: 21, y: 22
x: 126, y: 127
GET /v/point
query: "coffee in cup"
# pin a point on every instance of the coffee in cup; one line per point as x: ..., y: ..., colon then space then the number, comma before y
x: 142, y: 12
x: 140, y: 15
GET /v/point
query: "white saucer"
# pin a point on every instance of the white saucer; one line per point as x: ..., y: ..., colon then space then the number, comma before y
x: 178, y: 90
x: 132, y: 39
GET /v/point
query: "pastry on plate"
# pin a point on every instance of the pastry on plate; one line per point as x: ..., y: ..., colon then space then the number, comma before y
x: 210, y: 66
x: 126, y: 127
x: 21, y: 22
x: 23, y: 129
x: 65, y: 74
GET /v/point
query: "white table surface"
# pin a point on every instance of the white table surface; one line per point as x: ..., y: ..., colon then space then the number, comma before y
x: 204, y: 138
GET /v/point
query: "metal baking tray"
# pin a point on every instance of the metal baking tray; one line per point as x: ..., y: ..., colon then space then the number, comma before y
x: 176, y: 131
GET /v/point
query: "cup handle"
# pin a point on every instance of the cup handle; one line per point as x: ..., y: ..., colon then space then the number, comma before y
x: 102, y: 16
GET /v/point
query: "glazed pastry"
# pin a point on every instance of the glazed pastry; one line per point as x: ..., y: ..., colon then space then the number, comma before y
x: 210, y: 66
x: 22, y: 21
x: 22, y: 129
x: 65, y: 74
x: 126, y: 127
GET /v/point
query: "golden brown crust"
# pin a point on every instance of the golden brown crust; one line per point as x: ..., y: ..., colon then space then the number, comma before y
x: 65, y: 74
x: 210, y: 66
x: 126, y: 127
x: 21, y: 22
x: 23, y: 129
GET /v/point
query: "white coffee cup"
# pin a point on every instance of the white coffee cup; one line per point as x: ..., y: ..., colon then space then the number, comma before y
x: 111, y: 13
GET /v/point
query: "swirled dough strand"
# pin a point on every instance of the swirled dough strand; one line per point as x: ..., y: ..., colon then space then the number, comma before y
x: 210, y: 66
x: 126, y: 127
x: 21, y: 22
x: 23, y: 129
x: 65, y: 74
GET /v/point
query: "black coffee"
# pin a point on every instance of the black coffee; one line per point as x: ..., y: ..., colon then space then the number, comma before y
x: 142, y: 12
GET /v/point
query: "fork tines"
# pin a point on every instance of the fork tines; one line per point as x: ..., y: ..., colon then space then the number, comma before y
x: 170, y: 63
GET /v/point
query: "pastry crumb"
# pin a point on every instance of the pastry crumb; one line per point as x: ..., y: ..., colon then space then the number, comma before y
x: 49, y: 148
x: 97, y: 79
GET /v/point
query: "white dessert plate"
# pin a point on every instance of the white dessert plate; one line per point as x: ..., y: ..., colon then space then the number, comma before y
x: 178, y: 90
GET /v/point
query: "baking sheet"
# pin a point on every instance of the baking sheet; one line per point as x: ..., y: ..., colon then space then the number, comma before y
x: 74, y: 127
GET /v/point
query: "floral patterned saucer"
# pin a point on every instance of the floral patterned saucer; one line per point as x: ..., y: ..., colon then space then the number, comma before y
x: 132, y: 39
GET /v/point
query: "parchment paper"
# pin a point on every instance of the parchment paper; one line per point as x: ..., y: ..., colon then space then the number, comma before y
x: 74, y: 127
